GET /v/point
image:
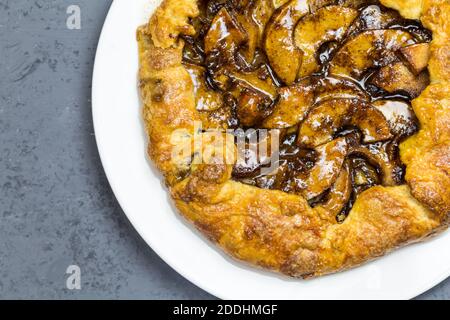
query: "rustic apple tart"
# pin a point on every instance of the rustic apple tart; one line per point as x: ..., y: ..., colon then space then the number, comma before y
x: 351, y: 96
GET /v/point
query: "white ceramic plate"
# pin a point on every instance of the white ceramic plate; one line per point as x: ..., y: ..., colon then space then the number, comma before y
x: 122, y: 145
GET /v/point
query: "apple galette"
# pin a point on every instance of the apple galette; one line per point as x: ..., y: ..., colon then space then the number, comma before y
x: 350, y: 99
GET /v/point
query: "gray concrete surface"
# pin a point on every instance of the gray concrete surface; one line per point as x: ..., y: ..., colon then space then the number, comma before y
x: 56, y: 207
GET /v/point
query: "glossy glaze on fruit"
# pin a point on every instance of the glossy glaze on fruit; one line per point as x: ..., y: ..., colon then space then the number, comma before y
x: 336, y: 78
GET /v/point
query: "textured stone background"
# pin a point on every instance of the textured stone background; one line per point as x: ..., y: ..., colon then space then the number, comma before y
x: 56, y: 207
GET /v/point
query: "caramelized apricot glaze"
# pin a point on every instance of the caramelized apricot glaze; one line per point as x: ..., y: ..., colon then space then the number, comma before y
x: 335, y: 77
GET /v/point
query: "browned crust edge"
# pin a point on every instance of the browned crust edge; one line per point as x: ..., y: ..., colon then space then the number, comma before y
x: 275, y: 230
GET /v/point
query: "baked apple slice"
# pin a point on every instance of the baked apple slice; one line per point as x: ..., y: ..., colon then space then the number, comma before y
x: 252, y: 107
x: 292, y: 106
x: 364, y: 174
x: 284, y: 56
x: 417, y: 56
x: 378, y: 156
x: 330, y: 159
x: 254, y: 20
x: 325, y: 120
x: 397, y: 78
x: 399, y: 114
x: 372, y: 18
x: 371, y: 122
x: 206, y: 99
x: 338, y: 88
x: 261, y: 12
x: 279, y: 3
x: 374, y: 48
x: 254, y: 96
x: 222, y: 41
x: 218, y: 119
x: 248, y: 48
x: 252, y: 81
x: 326, y: 24
x: 225, y: 34
x: 340, y: 193
x: 248, y: 164
x: 295, y: 101
x: 356, y: 4
x: 315, y: 5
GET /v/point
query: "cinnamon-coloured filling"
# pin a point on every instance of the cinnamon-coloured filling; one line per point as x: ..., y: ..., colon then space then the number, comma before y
x: 336, y: 78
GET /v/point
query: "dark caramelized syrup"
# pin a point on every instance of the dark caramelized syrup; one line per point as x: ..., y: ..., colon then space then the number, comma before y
x: 366, y: 161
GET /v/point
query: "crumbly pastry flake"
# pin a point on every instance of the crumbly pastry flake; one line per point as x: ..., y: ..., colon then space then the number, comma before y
x: 303, y: 223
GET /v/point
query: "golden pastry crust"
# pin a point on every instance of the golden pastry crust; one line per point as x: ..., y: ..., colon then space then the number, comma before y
x: 280, y: 231
x: 410, y: 9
